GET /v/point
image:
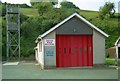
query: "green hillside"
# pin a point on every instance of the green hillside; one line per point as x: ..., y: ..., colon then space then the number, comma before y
x: 110, y: 25
x: 37, y: 20
x: 29, y: 11
x: 87, y: 14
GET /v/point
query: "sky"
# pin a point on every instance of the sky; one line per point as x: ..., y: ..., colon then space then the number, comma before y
x: 82, y: 4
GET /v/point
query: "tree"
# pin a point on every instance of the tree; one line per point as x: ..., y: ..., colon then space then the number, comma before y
x: 24, y: 6
x: 44, y: 7
x: 3, y: 9
x: 68, y: 5
x: 107, y: 10
x: 36, y: 4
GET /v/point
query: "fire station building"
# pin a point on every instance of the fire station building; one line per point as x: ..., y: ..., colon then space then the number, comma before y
x: 74, y: 42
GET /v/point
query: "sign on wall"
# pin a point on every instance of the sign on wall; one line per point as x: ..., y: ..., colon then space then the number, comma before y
x: 49, y: 42
x: 49, y: 53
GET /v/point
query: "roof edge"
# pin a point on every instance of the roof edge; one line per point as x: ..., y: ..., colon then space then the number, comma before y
x: 93, y: 26
x: 117, y: 41
x: 71, y: 16
x: 56, y: 26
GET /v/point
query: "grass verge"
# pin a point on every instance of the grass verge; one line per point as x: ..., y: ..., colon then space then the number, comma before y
x: 111, y: 61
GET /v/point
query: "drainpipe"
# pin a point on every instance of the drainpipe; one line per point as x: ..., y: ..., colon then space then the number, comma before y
x: 43, y: 53
x: 116, y: 58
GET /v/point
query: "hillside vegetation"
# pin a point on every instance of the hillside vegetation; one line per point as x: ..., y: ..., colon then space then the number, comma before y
x: 34, y: 23
x: 110, y: 25
x: 29, y: 12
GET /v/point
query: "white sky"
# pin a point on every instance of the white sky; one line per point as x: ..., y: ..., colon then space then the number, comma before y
x: 82, y: 4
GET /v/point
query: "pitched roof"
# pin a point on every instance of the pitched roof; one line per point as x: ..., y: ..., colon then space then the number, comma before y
x: 117, y: 41
x: 68, y: 18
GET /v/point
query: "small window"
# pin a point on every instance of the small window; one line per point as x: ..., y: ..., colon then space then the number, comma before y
x: 85, y: 49
x: 80, y: 50
x: 64, y: 50
x: 75, y: 50
x: 90, y: 50
x: 40, y: 47
x: 69, y: 50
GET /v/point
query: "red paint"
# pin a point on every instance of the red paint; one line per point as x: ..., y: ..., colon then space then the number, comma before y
x: 80, y: 51
x: 74, y: 50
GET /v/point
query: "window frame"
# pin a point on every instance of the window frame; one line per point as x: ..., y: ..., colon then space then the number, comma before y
x: 40, y: 47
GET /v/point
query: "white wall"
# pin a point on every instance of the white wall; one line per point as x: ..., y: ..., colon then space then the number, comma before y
x: 40, y: 56
x: 50, y: 60
x: 36, y: 53
x: 98, y: 48
x: 117, y: 46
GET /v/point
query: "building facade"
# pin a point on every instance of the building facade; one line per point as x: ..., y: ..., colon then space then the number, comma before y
x: 74, y: 42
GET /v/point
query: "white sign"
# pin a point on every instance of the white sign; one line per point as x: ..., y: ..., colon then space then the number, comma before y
x: 49, y: 42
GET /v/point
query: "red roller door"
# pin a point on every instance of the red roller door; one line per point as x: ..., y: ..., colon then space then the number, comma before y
x: 74, y: 50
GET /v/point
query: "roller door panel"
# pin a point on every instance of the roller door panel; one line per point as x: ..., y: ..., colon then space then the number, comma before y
x: 74, y: 50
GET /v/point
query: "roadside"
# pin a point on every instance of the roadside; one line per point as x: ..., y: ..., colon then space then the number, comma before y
x: 111, y: 61
x: 28, y: 70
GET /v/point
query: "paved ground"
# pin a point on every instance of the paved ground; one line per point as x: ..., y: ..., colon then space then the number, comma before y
x: 31, y: 71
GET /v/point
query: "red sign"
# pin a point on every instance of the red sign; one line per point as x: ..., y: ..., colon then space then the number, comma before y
x: 49, y: 42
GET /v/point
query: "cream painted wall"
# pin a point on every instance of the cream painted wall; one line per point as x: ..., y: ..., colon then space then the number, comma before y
x: 50, y: 60
x: 40, y: 55
x: 98, y: 48
x: 36, y: 52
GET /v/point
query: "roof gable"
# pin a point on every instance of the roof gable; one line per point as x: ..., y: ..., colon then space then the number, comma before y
x: 74, y: 26
x: 117, y: 42
x: 68, y: 18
